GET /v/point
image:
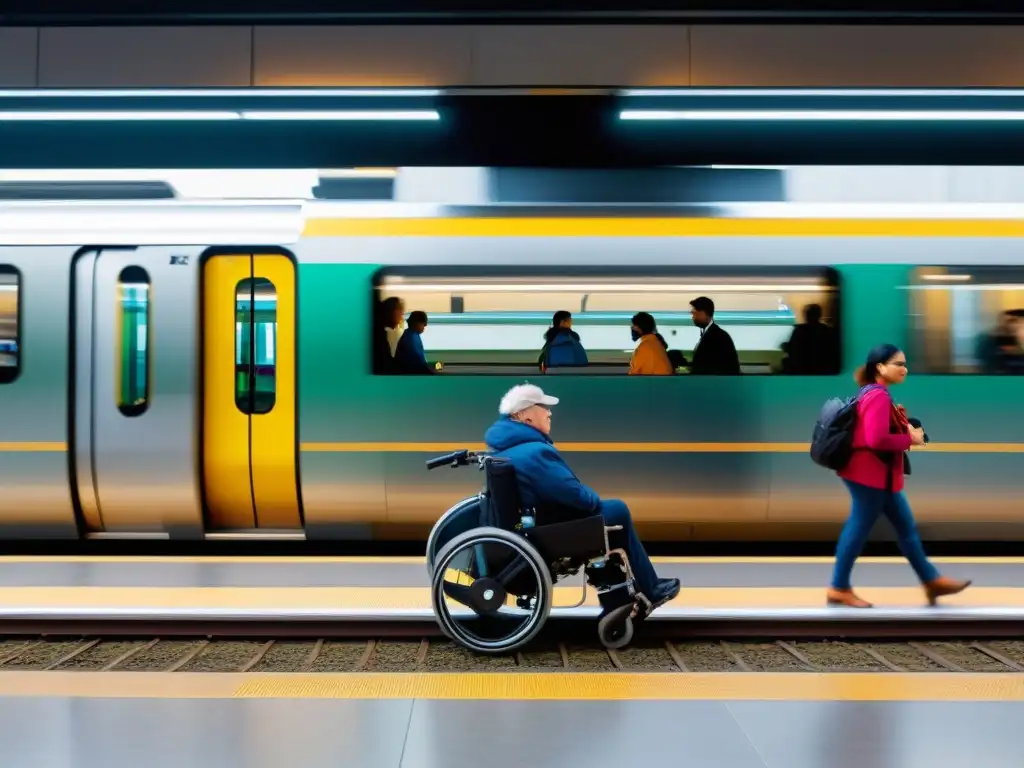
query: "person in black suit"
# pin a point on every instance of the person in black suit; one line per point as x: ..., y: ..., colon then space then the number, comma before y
x: 715, y: 354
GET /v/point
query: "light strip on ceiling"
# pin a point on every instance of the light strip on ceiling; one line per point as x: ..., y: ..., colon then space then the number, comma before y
x: 837, y: 115
x: 342, y: 115
x: 177, y: 93
x: 824, y: 92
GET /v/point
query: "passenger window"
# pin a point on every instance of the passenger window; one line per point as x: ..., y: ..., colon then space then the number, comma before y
x: 255, y: 345
x: 133, y: 313
x: 10, y: 310
x: 968, y: 320
x: 497, y: 322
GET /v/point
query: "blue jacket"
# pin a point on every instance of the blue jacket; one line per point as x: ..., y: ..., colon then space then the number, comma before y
x: 409, y: 354
x: 545, y: 480
x: 564, y: 349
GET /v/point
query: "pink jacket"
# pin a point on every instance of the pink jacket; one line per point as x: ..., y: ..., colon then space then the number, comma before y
x: 880, y: 427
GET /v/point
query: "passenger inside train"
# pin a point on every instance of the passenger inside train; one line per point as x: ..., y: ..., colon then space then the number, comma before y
x: 650, y: 358
x: 410, y: 357
x: 813, y: 347
x: 1001, y: 350
x: 562, y: 346
x: 522, y: 434
x: 715, y: 353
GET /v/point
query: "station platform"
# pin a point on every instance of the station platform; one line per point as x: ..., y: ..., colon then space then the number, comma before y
x: 396, y: 589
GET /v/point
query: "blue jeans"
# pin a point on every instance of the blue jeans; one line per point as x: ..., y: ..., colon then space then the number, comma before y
x: 615, y: 512
x: 868, y: 505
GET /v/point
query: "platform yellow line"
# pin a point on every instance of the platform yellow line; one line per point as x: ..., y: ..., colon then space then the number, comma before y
x: 418, y: 598
x: 660, y: 226
x: 634, y: 447
x: 511, y: 686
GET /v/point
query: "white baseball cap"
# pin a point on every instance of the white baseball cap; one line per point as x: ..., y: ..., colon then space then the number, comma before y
x: 523, y: 396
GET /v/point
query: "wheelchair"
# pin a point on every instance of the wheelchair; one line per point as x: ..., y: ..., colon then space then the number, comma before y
x: 493, y: 566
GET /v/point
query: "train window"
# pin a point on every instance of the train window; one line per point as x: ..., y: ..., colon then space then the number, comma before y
x: 10, y: 310
x: 133, y: 315
x: 968, y: 320
x: 495, y: 322
x: 255, y: 345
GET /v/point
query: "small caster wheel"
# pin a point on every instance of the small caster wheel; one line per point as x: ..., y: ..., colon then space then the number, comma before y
x: 615, y: 630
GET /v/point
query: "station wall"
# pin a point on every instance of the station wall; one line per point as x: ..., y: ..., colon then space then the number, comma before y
x: 545, y: 56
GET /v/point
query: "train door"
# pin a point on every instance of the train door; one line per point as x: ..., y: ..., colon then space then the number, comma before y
x: 249, y: 393
x: 135, y: 403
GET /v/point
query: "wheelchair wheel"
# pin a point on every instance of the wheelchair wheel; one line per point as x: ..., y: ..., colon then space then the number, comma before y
x: 491, y: 590
x: 615, y: 629
x: 458, y: 519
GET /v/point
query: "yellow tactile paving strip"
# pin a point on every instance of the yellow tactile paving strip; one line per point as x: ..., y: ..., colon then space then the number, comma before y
x: 414, y: 598
x: 550, y: 686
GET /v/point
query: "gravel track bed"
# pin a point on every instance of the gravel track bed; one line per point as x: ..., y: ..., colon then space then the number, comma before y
x: 101, y: 654
x: 437, y: 655
x: 646, y: 657
x: 706, y: 657
x: 340, y: 656
x: 969, y: 659
x: 286, y: 656
x: 44, y: 654
x: 222, y: 656
x: 159, y: 657
x: 834, y: 656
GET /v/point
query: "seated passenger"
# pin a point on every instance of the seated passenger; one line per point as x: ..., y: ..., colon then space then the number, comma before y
x: 522, y: 435
x: 650, y: 358
x: 410, y: 357
x: 562, y: 345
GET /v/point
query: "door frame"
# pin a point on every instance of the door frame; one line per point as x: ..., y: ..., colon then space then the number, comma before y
x: 251, y: 251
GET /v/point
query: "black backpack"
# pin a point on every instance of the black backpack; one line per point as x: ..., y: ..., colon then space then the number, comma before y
x: 832, y: 442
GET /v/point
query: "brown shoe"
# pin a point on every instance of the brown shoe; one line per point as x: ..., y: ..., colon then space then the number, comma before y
x: 943, y: 587
x: 845, y: 597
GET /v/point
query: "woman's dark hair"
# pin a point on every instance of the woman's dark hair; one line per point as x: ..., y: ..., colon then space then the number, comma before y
x: 868, y: 372
x: 644, y: 322
x: 556, y: 323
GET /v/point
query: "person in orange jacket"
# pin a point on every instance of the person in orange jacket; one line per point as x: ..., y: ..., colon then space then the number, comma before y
x: 650, y: 358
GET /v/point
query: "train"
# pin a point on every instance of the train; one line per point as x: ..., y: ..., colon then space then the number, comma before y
x: 202, y: 370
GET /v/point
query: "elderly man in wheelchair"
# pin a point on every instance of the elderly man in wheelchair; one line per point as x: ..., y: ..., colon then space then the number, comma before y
x: 498, y: 554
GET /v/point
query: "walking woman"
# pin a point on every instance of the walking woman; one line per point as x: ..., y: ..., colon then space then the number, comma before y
x: 874, y: 478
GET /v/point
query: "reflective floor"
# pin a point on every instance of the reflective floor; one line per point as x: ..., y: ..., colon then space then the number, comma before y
x: 125, y: 733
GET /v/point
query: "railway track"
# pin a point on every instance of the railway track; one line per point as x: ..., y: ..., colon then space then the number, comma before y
x: 389, y: 654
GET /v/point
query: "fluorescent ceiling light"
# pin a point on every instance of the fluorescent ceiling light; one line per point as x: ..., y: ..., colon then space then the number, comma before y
x: 178, y: 93
x: 215, y: 115
x: 947, y: 278
x: 118, y: 116
x: 881, y: 115
x: 819, y: 92
x: 344, y: 114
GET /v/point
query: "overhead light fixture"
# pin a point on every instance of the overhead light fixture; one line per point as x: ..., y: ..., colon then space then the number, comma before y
x: 947, y: 278
x: 837, y: 115
x: 604, y: 288
x: 822, y: 92
x: 178, y: 93
x: 343, y: 115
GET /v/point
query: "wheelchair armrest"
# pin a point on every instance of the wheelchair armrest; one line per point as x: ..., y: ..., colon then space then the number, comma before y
x: 582, y: 539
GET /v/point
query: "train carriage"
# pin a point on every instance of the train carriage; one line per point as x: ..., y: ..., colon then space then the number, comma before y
x: 174, y: 369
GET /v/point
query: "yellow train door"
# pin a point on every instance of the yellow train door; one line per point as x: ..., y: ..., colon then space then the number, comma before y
x: 249, y: 393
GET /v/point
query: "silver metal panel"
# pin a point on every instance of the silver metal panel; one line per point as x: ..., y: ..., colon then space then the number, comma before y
x: 342, y: 493
x: 18, y: 57
x: 146, y: 466
x: 855, y: 55
x: 573, y: 55
x: 36, y: 495
x: 124, y: 57
x: 85, y: 478
x: 370, y: 56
